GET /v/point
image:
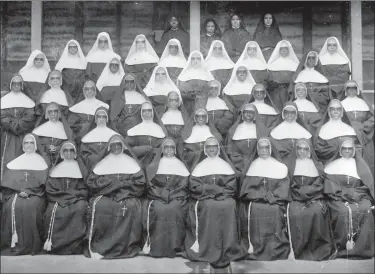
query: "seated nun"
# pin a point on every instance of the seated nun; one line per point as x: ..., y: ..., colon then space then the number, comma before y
x: 158, y: 88
x: 267, y: 110
x: 308, y: 112
x: 242, y: 138
x: 308, y: 217
x: 81, y: 115
x: 146, y: 136
x: 65, y: 220
x: 360, y: 111
x: 23, y: 202
x: 52, y: 131
x: 110, y: 80
x: 35, y: 74
x: 141, y: 60
x: 239, y: 87
x: 99, y: 55
x: 72, y: 65
x: 212, y: 233
x: 281, y: 67
x: 193, y: 137
x: 164, y: 212
x: 288, y: 132
x: 349, y: 184
x: 174, y: 116
x: 252, y: 57
x: 264, y: 195
x: 126, y: 105
x: 219, y: 62
x: 17, y: 118
x: 311, y: 73
x: 336, y: 65
x: 54, y: 94
x: 116, y: 185
x: 334, y: 126
x: 94, y: 143
x: 192, y: 82
x: 173, y: 59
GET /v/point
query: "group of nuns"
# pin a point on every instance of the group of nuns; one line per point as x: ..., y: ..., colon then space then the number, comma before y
x: 172, y: 157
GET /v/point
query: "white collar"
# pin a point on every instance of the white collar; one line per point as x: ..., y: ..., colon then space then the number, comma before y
x: 147, y: 128
x: 190, y: 73
x: 66, y: 169
x: 16, y: 100
x: 172, y: 117
x: 172, y: 166
x: 98, y: 135
x: 117, y: 164
x: 245, y: 131
x: 141, y: 58
x: 263, y: 108
x: 283, y: 64
x: 88, y: 106
x: 56, y: 95
x: 199, y: 134
x: 253, y: 63
x: 235, y: 87
x: 310, y: 75
x: 342, y: 166
x: 269, y: 168
x: 51, y: 129
x: 101, y: 56
x: 333, y: 59
x: 305, y: 167
x: 352, y: 104
x: 154, y: 88
x: 216, y: 104
x: 30, y: 73
x: 212, y: 166
x: 32, y: 161
x: 305, y: 105
x: 133, y: 98
x: 335, y: 128
x: 287, y: 130
x: 77, y: 61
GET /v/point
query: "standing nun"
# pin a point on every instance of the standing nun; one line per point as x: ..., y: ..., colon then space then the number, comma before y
x: 192, y: 82
x: 72, y: 65
x: 219, y: 62
x: 336, y: 65
x: 164, y: 212
x: 141, y: 60
x: 35, y: 74
x: 116, y: 184
x: 173, y: 59
x: 281, y: 67
x: 99, y: 55
x: 213, y: 233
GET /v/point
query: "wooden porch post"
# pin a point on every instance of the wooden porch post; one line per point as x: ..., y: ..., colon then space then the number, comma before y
x: 195, y: 22
x: 36, y: 24
x: 356, y: 41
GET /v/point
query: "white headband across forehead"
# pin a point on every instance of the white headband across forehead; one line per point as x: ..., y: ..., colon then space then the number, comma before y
x: 349, y: 143
x: 300, y: 142
x: 65, y: 145
x: 199, y: 111
x: 266, y: 140
x: 32, y: 137
x: 214, y: 141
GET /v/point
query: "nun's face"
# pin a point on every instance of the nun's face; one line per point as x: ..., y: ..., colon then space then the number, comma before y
x: 114, y: 67
x: 284, y: 51
x: 210, y: 27
x: 311, y: 59
x: 248, y: 115
x: 29, y: 144
x: 147, y: 113
x: 268, y: 19
x: 173, y: 101
x: 39, y: 61
x: 16, y: 84
x: 302, y: 150
x: 214, y: 90
x: 103, y: 43
x: 217, y: 50
x: 335, y: 111
x: 101, y: 119
x: 72, y: 48
x: 235, y: 21
x: 331, y: 46
x: 168, y: 149
x: 196, y: 61
x: 140, y: 44
x: 55, y: 79
x: 53, y: 113
x: 129, y: 84
x: 68, y: 152
x: 89, y: 90
x: 351, y: 91
x: 264, y: 149
x: 160, y: 75
x: 301, y: 92
x: 115, y: 147
x: 200, y: 118
x: 212, y: 149
x: 173, y: 22
x: 252, y: 51
x: 347, y: 151
x: 290, y: 114
x: 259, y: 93
x: 173, y: 49
x: 241, y: 74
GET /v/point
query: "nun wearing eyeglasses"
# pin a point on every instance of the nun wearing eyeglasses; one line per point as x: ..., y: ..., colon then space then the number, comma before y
x: 241, y: 142
x: 145, y: 137
x: 81, y: 115
x: 24, y: 203
x: 72, y: 65
x: 213, y: 233
x: 99, y: 55
x: 193, y: 137
x: 308, y: 214
x: 17, y: 117
x: 264, y: 195
x: 164, y: 211
x: 52, y: 130
x: 126, y: 105
x: 116, y: 186
x: 349, y: 184
x: 158, y: 88
x: 288, y: 132
x: 334, y: 126
x: 65, y: 218
x: 337, y: 66
x: 141, y: 60
x: 94, y: 143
